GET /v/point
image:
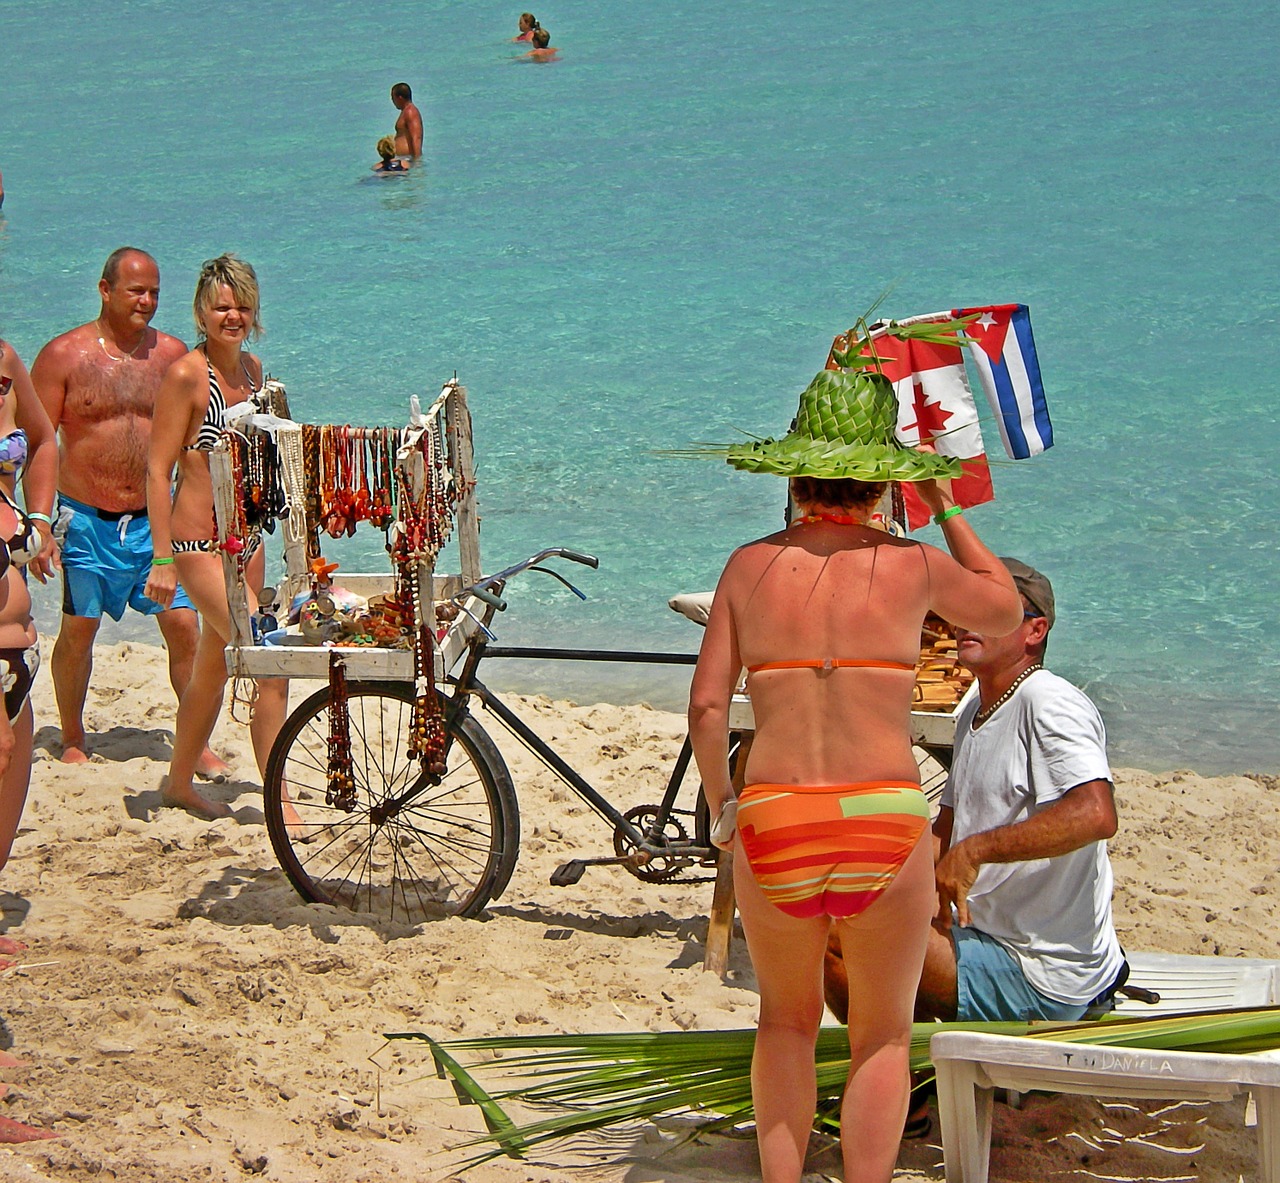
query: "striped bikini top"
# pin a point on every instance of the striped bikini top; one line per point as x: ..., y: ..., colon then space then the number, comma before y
x: 212, y: 424
x: 831, y: 663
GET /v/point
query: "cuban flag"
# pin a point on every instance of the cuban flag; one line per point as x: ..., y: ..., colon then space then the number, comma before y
x: 1004, y: 354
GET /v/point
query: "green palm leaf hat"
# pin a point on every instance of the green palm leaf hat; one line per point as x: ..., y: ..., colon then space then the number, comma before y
x: 844, y: 428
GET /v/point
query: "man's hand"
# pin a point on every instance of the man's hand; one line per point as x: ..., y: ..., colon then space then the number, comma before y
x: 955, y: 875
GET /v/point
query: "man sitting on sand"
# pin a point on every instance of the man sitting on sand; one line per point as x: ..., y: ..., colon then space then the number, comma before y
x: 1020, y: 843
x: 408, y: 122
x: 98, y: 384
x: 1021, y: 834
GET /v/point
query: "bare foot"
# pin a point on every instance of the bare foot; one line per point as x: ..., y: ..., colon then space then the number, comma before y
x: 5, y: 963
x: 74, y: 753
x: 192, y: 802
x: 212, y: 767
x: 9, y: 945
x: 12, y: 1132
x: 9, y: 1060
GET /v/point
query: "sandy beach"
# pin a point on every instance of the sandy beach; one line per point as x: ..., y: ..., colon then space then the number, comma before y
x: 185, y: 1017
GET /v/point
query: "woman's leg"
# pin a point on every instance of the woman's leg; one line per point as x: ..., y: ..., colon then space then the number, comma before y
x: 15, y: 756
x: 201, y: 575
x: 787, y: 956
x: 883, y: 956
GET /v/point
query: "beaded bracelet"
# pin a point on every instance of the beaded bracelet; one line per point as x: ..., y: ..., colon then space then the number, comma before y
x: 162, y: 562
x: 947, y: 514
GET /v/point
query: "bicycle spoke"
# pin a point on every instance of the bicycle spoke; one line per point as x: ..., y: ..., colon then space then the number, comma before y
x: 415, y: 846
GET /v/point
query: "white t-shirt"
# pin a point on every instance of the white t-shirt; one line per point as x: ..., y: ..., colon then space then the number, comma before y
x: 1053, y: 915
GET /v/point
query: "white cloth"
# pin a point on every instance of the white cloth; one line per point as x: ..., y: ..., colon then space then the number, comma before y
x: 1053, y: 915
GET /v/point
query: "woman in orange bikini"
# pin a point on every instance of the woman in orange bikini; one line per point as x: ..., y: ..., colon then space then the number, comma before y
x: 832, y: 826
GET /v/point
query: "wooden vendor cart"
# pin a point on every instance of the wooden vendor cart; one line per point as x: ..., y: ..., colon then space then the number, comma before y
x: 403, y: 752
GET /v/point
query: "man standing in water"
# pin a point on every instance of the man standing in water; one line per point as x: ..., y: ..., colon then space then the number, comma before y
x: 98, y: 384
x: 408, y: 123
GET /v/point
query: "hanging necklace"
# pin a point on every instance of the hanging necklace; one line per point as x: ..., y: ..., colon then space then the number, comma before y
x: 128, y: 355
x: 983, y: 715
x: 838, y: 519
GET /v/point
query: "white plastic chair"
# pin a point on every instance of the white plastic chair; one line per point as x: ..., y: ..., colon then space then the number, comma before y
x: 970, y: 1065
x: 1186, y: 982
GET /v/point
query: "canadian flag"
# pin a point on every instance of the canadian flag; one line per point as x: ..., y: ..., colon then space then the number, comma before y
x: 936, y: 410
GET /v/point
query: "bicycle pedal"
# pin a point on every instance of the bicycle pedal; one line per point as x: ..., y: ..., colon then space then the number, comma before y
x: 568, y: 873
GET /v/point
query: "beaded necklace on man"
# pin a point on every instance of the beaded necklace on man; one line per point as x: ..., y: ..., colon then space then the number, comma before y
x: 983, y: 715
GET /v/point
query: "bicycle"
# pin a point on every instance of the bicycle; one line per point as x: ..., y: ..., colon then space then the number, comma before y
x: 416, y: 845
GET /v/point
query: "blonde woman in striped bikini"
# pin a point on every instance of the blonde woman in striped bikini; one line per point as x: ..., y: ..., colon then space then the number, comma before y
x: 831, y: 826
x: 197, y: 389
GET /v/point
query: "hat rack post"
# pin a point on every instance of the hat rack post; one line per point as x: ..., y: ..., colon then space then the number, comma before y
x: 224, y: 490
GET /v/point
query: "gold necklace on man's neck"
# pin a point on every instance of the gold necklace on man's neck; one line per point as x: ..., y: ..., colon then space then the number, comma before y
x: 128, y: 355
x: 983, y: 715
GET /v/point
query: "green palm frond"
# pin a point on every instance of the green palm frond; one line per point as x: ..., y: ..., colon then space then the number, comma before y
x: 592, y: 1082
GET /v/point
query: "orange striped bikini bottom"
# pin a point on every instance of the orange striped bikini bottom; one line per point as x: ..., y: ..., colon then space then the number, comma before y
x: 829, y: 849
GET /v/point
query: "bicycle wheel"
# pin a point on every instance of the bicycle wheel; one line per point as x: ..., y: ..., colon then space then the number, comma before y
x: 414, y: 846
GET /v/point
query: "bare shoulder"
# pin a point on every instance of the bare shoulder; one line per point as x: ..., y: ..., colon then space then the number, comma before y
x: 254, y: 365
x: 188, y: 373
x: 62, y: 353
x: 168, y: 348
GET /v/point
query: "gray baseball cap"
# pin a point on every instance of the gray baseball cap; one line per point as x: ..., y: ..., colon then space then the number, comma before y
x: 1035, y: 588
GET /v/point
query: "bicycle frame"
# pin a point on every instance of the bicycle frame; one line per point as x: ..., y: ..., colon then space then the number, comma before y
x: 466, y: 683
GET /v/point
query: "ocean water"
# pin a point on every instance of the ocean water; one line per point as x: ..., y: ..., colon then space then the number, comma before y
x: 653, y: 240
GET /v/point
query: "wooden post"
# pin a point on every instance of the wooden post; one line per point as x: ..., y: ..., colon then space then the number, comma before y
x: 224, y: 494
x: 720, y: 923
x: 458, y: 422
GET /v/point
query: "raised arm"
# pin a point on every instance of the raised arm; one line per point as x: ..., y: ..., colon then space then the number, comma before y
x: 971, y: 587
x: 1084, y: 814
x: 184, y: 384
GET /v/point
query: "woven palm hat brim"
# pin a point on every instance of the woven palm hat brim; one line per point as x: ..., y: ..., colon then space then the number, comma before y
x: 844, y: 428
x: 797, y: 455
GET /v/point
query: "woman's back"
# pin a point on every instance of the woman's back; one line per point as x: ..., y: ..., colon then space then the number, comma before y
x: 822, y: 592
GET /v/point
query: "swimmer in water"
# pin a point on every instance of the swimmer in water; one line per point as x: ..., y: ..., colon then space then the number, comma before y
x: 543, y: 50
x: 528, y: 22
x: 389, y: 164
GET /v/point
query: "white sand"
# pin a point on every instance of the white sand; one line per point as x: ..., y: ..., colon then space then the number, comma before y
x: 186, y: 1017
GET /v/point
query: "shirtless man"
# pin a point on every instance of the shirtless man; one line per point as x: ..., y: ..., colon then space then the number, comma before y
x: 98, y: 383
x: 408, y: 123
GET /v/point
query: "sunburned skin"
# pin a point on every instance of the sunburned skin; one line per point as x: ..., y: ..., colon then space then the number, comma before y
x: 106, y: 425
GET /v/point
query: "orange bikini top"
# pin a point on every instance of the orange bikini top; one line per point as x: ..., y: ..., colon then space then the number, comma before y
x: 831, y: 663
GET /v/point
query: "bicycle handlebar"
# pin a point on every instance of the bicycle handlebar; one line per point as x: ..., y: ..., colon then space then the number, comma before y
x: 481, y: 589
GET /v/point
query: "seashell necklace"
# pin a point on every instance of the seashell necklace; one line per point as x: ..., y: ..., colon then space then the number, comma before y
x: 983, y: 715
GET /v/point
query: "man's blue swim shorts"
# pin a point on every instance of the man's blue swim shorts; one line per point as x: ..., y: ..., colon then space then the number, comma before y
x: 106, y: 559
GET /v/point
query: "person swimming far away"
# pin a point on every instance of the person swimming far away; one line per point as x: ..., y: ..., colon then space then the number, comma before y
x: 390, y: 165
x: 543, y: 50
x: 528, y: 23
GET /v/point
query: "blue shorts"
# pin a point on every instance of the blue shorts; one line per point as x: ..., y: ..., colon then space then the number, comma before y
x: 106, y: 559
x: 990, y: 985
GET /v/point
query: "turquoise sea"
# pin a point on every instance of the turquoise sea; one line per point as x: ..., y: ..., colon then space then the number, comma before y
x: 653, y: 240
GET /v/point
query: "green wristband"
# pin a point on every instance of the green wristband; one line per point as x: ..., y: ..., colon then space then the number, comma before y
x: 40, y: 517
x: 162, y: 562
x: 947, y: 514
